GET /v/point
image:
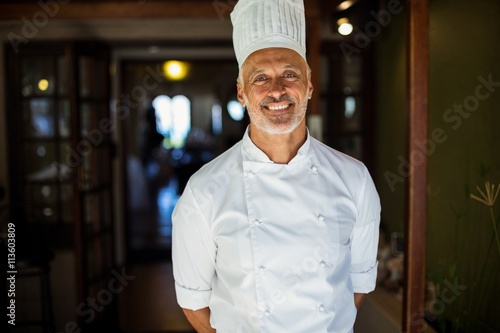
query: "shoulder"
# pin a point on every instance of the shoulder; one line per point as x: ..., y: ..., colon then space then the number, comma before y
x: 356, y: 178
x: 209, y: 182
x: 347, y: 170
x: 222, y: 167
x: 342, y: 163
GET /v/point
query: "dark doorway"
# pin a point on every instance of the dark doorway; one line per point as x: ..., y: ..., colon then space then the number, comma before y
x: 172, y: 129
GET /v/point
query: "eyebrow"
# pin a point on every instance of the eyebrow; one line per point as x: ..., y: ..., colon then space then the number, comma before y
x: 285, y: 67
x: 292, y: 67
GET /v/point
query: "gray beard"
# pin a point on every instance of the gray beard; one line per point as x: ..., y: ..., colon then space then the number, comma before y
x: 281, y: 124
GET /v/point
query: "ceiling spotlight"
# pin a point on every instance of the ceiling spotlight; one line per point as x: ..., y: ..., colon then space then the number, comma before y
x: 345, y: 5
x: 345, y: 28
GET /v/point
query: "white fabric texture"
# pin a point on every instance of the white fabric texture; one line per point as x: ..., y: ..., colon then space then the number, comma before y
x: 260, y: 24
x: 277, y: 247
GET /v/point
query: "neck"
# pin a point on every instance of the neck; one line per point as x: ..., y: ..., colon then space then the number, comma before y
x: 280, y: 148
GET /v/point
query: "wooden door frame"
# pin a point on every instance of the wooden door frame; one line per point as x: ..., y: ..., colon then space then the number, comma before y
x: 417, y: 29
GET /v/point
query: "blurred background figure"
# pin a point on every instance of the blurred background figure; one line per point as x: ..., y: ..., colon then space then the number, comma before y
x: 152, y: 138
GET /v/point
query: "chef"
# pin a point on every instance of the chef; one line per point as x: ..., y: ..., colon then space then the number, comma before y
x: 280, y: 232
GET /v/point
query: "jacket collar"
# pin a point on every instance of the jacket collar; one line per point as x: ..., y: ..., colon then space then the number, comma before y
x: 253, y: 153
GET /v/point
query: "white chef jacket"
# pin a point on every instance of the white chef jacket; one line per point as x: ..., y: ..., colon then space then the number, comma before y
x: 277, y: 247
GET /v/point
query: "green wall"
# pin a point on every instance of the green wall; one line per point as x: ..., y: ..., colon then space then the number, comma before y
x: 464, y: 47
x: 391, y: 132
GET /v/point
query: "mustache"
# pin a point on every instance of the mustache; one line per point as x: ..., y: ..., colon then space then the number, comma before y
x: 283, y: 98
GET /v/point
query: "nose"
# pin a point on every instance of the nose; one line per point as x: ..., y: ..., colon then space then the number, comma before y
x: 276, y: 89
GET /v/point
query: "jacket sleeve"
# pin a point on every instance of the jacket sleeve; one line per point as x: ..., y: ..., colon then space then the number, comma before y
x: 193, y: 253
x: 365, y: 238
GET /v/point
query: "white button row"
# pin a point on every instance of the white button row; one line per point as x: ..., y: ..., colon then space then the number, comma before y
x: 320, y: 217
x: 321, y: 308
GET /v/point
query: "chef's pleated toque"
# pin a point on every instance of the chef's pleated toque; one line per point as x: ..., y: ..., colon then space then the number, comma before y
x: 261, y: 24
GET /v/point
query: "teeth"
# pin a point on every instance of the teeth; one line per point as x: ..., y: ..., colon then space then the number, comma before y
x: 279, y: 107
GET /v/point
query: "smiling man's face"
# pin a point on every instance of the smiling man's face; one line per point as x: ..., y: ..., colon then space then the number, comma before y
x: 275, y: 87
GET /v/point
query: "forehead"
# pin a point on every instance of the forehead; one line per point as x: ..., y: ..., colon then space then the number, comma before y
x: 273, y: 58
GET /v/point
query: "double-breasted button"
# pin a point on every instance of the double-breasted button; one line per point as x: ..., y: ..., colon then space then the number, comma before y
x: 257, y: 222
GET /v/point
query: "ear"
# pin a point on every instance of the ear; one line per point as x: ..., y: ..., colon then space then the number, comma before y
x: 310, y: 89
x: 240, y: 94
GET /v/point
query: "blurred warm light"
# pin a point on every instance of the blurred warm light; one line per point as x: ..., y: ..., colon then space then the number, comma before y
x: 345, y: 5
x: 43, y: 84
x: 175, y: 70
x: 345, y: 28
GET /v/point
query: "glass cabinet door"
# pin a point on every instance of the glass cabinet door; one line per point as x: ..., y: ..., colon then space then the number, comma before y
x: 93, y: 142
x: 59, y: 132
x: 346, y: 102
x: 40, y: 114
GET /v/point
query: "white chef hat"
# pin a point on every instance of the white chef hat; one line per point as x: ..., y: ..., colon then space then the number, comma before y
x: 260, y: 24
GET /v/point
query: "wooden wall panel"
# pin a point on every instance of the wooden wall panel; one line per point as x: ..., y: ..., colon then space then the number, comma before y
x: 415, y: 231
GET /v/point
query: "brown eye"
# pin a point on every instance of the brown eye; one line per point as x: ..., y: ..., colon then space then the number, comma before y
x: 290, y: 76
x: 260, y: 79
